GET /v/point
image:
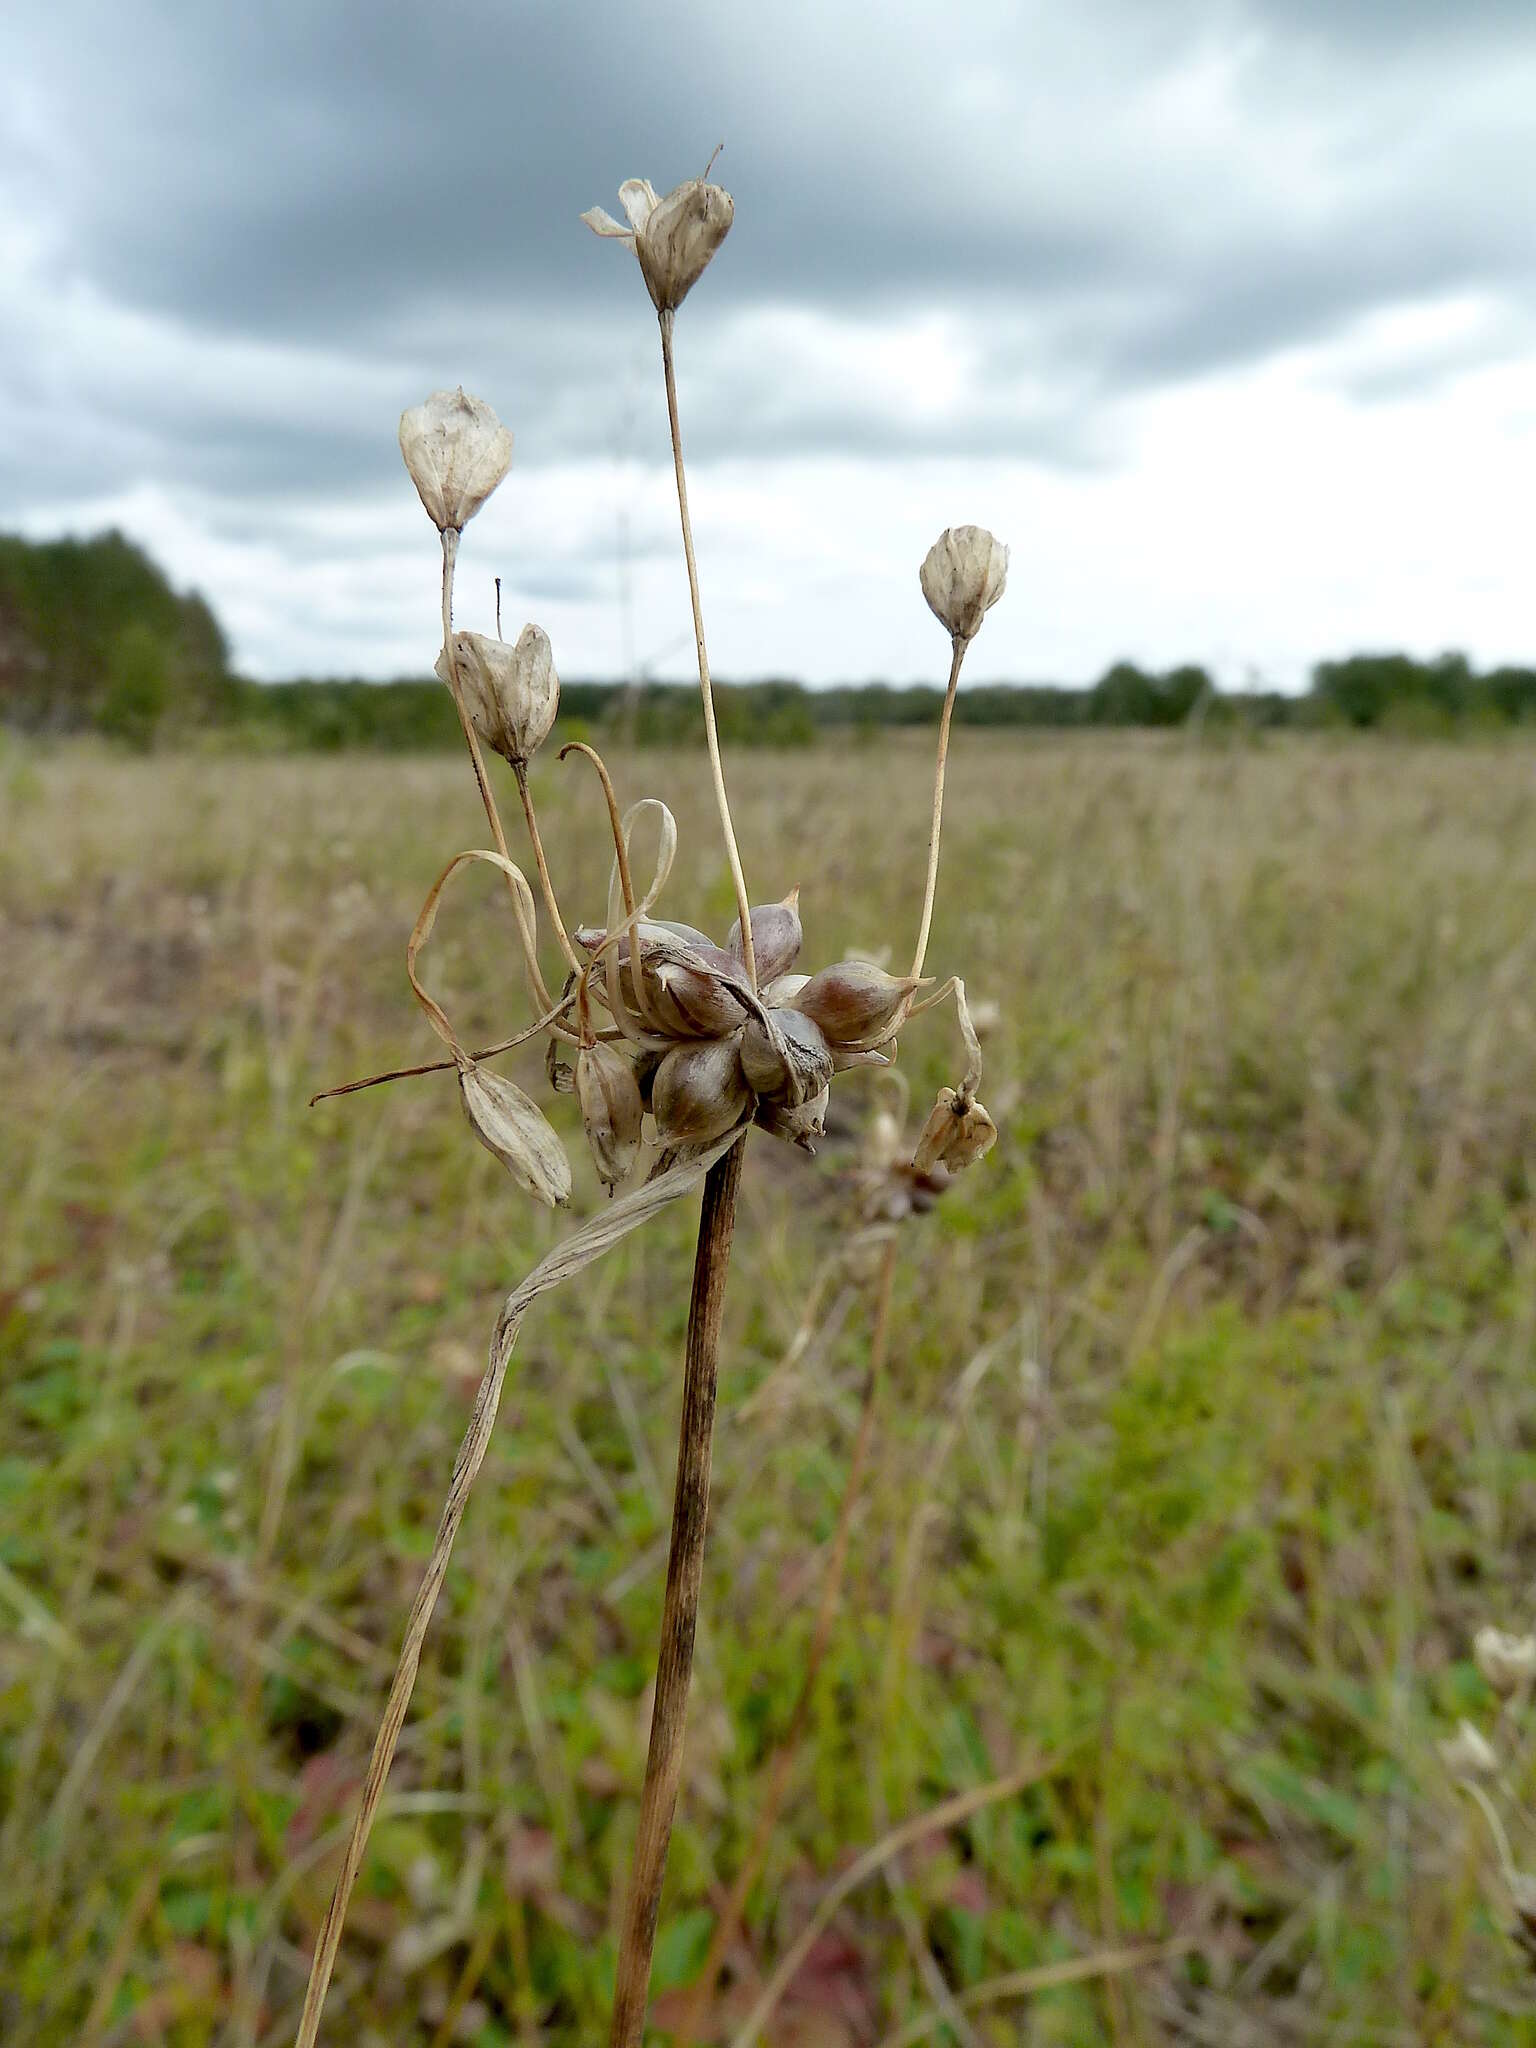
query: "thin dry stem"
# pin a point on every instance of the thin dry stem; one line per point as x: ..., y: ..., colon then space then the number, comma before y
x: 1045, y: 1977
x: 931, y: 886
x: 711, y: 737
x: 948, y: 1815
x: 520, y: 770
x: 680, y: 1609
x: 821, y: 1637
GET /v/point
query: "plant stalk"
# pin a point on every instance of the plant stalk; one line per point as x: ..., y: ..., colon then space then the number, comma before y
x: 711, y: 737
x: 931, y: 886
x: 680, y: 1609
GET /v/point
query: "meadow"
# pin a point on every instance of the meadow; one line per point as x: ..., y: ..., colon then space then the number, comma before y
x: 1204, y: 1435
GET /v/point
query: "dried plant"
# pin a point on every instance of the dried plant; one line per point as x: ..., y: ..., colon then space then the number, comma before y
x: 674, y: 1046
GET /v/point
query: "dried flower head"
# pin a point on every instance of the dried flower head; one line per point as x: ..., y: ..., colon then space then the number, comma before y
x: 963, y: 575
x: 1508, y: 1662
x: 1469, y: 1754
x: 958, y: 1133
x: 457, y: 452
x: 674, y: 237
x: 511, y: 692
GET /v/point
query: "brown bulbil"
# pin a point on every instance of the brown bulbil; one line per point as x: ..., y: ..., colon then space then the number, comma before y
x: 776, y: 937
x: 791, y: 1063
x: 609, y: 1095
x: 697, y: 993
x: 854, y: 1001
x: 700, y: 1092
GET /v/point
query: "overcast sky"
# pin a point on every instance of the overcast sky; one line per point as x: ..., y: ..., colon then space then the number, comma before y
x: 1221, y: 312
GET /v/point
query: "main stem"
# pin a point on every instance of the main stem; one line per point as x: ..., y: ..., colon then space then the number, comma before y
x: 936, y: 826
x: 711, y: 737
x: 680, y: 1608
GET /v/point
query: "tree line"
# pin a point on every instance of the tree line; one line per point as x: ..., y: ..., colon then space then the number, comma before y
x: 94, y: 639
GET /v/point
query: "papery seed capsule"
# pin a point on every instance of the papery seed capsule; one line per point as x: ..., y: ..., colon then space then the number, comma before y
x: 963, y: 575
x: 674, y: 237
x: 776, y: 937
x: 609, y: 1096
x: 457, y: 452
x: 700, y: 1092
x: 511, y: 692
x: 854, y: 1000
x: 510, y: 1124
x: 1506, y: 1661
x: 790, y: 1066
x: 797, y: 1126
x: 958, y: 1133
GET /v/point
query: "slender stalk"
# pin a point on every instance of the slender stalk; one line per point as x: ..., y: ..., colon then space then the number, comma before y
x: 711, y: 737
x: 680, y: 1608
x: 520, y: 770
x: 477, y: 759
x: 921, y: 953
x: 689, y: 2024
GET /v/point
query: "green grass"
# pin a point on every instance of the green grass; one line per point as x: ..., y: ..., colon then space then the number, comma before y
x: 1209, y: 1433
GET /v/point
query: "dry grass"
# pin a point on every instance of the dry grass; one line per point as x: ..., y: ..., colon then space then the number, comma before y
x: 1208, y: 1431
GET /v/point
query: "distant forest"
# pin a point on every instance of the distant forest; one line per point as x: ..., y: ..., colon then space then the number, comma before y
x: 94, y: 639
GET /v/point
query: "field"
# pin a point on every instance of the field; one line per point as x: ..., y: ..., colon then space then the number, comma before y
x: 1206, y: 1434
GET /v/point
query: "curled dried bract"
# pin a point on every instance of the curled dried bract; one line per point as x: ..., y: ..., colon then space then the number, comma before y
x: 512, y: 1126
x: 511, y: 691
x: 457, y: 452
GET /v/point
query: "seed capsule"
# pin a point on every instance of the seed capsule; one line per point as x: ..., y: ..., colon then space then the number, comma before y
x: 609, y: 1096
x: 512, y: 1126
x: 958, y: 1133
x: 674, y: 237
x: 776, y: 937
x: 790, y: 1065
x: 963, y: 576
x: 457, y: 452
x: 700, y: 1092
x: 511, y: 693
x: 854, y: 1001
